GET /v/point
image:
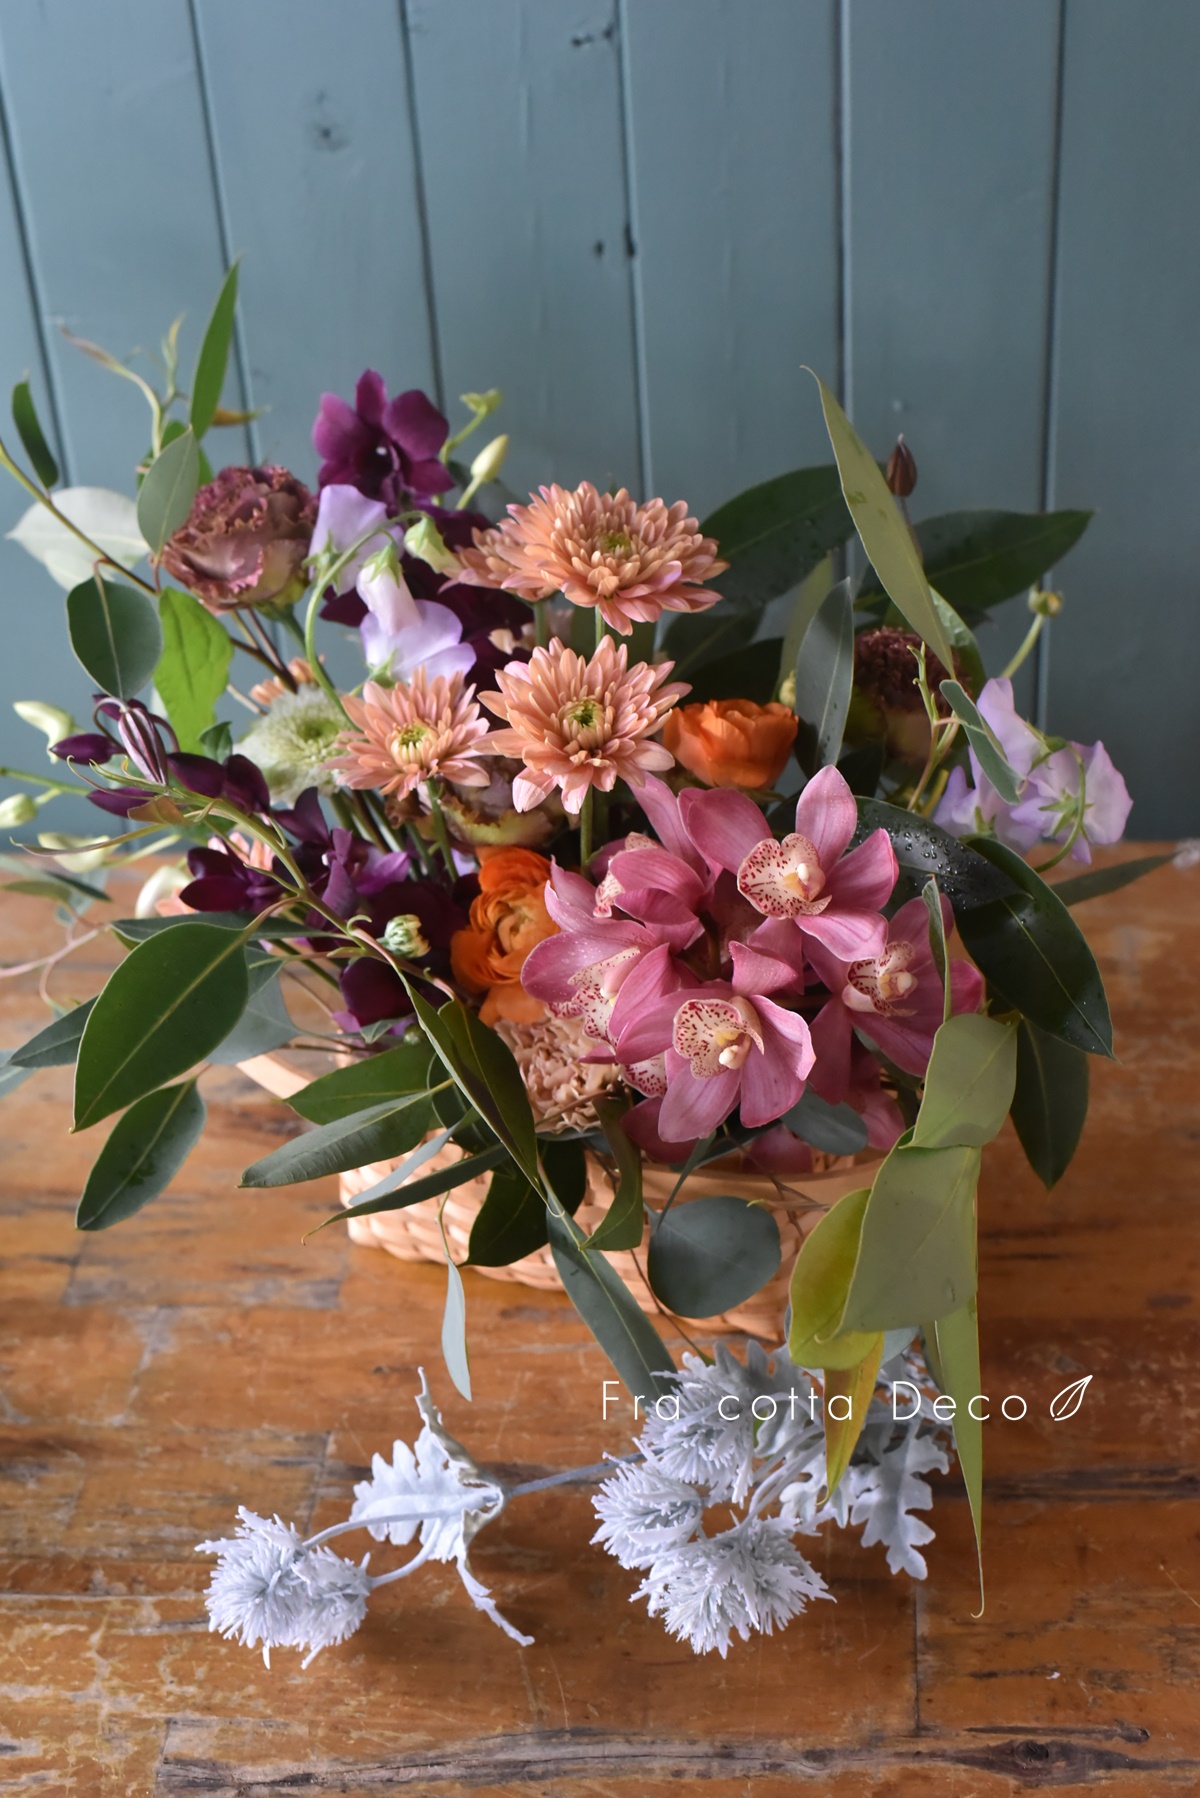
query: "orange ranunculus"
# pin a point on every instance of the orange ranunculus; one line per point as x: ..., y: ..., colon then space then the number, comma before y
x: 732, y: 742
x: 507, y: 919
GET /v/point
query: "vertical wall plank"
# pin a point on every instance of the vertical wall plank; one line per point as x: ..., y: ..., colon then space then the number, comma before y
x: 109, y: 138
x: 950, y: 147
x: 1125, y: 656
x: 520, y: 123
x: 315, y: 153
x: 733, y: 114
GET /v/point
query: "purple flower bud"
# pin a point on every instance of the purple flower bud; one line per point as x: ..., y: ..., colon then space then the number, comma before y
x: 245, y: 540
x: 85, y: 746
x: 119, y: 800
x: 245, y: 784
x: 198, y: 773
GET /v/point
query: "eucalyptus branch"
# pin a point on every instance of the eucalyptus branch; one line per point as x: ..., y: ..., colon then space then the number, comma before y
x: 43, y: 499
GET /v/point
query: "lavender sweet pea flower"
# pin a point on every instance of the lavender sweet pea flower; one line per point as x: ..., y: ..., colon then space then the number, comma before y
x: 433, y: 641
x: 343, y: 517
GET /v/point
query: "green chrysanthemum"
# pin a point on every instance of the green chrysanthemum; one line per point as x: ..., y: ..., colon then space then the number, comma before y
x: 293, y: 741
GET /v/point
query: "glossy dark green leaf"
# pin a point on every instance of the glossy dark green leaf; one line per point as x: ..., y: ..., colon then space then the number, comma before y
x: 485, y: 1072
x: 1034, y: 954
x: 923, y: 849
x: 511, y: 1222
x: 711, y: 1254
x: 57, y: 1046
x: 736, y: 672
x: 611, y: 1313
x: 264, y: 1026
x: 115, y: 634
x: 977, y: 559
x: 194, y: 666
x: 368, y: 1080
x: 1050, y: 1102
x: 166, y: 495
x: 211, y: 363
x: 140, y: 930
x: 146, y: 1149
x: 165, y: 1008
x: 916, y: 1255
x: 1110, y: 879
x: 834, y: 1129
x: 400, y: 1189
x: 392, y: 1127
x: 882, y: 529
x: 824, y: 673
x: 957, y: 1339
x: 623, y: 1223
x: 982, y: 740
x: 29, y: 430
x: 774, y: 534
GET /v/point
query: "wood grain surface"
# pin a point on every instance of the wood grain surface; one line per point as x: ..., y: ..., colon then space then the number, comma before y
x: 154, y: 1376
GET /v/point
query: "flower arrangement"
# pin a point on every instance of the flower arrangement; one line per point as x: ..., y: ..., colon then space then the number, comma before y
x: 629, y: 847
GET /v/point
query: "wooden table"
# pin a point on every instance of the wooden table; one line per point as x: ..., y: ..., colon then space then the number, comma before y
x: 154, y: 1376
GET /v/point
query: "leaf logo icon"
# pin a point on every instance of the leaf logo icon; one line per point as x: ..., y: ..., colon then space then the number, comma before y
x: 1065, y: 1403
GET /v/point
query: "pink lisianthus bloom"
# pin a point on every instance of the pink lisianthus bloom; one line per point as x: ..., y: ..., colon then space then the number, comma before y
x: 834, y: 898
x: 895, y: 998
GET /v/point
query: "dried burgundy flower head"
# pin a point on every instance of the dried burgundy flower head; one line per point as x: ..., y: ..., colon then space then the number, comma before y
x: 245, y: 539
x: 886, y: 703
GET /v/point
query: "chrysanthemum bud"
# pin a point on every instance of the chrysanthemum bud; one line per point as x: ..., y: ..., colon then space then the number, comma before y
x: 489, y: 461
x: 1044, y: 603
x: 18, y: 808
x: 424, y: 540
x: 51, y: 720
x: 901, y: 469
x: 403, y: 935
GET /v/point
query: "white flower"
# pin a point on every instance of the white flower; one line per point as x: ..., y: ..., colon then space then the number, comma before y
x: 711, y: 1442
x: 643, y: 1512
x: 750, y: 1577
x: 269, y: 1587
x: 293, y: 741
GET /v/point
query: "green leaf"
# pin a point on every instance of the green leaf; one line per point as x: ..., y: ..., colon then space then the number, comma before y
x: 983, y: 741
x: 749, y: 668
x: 964, y: 876
x: 167, y: 1006
x: 211, y: 363
x: 166, y: 494
x: 1035, y: 956
x: 11, y: 1077
x: 1050, y: 1101
x: 711, y: 1254
x: 194, y: 666
x: 511, y: 1223
x: 217, y: 741
x: 146, y: 1149
x: 399, y: 1190
x: 32, y: 436
x: 611, y: 1313
x: 855, y: 1385
x: 264, y: 1025
x: 820, y: 1282
x: 824, y: 675
x: 937, y: 941
x: 485, y: 1072
x: 367, y: 1081
x: 834, y: 1129
x: 977, y: 559
x: 883, y: 529
x: 454, y: 1331
x: 811, y: 591
x: 140, y: 930
x: 968, y: 1085
x: 622, y: 1225
x: 957, y: 1338
x: 390, y: 1128
x: 115, y: 634
x: 916, y: 1255
x: 962, y: 642
x: 1098, y: 881
x: 57, y: 1046
x: 57, y: 885
x: 698, y: 639
x: 774, y: 534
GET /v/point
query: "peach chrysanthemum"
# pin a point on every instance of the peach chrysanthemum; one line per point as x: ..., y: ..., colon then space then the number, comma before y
x: 409, y: 732
x: 578, y: 724
x: 602, y: 549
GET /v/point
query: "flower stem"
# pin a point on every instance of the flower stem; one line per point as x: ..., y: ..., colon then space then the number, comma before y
x: 310, y: 654
x: 440, y: 831
x: 1026, y: 646
x: 585, y: 831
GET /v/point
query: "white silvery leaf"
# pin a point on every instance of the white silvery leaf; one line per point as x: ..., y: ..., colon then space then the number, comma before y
x: 109, y: 519
x: 891, y: 1491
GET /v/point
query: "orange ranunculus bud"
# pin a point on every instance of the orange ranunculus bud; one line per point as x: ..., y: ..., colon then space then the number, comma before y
x: 732, y: 742
x: 507, y: 919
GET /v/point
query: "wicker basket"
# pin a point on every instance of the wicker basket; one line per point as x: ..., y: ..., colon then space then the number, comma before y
x: 413, y: 1234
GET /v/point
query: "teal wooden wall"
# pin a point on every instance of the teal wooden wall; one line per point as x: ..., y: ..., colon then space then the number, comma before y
x: 639, y: 218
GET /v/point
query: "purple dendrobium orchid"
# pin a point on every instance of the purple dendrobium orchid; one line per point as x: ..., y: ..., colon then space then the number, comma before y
x: 388, y: 449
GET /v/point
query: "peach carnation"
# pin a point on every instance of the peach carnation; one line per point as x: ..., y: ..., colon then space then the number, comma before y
x: 409, y: 732
x: 578, y: 724
x: 562, y: 1086
x: 601, y: 549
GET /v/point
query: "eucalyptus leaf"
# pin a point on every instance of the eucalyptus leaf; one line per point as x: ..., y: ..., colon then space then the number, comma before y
x: 368, y: 1080
x: 512, y: 1221
x: 711, y: 1254
x: 982, y: 739
x: 454, y: 1331
x: 107, y: 519
x: 957, y: 1338
x: 856, y: 1385
x: 485, y: 1072
x: 695, y: 639
x: 115, y: 634
x: 968, y: 1084
x: 213, y: 359
x: 824, y: 674
x: 1034, y: 954
x: 611, y: 1313
x: 623, y: 1223
x: 1050, y: 1101
x: 916, y: 1255
x: 399, y: 1190
x: 834, y: 1129
x: 937, y: 941
x: 30, y: 431
x: 820, y: 1283
x: 10, y: 1076
x: 977, y: 559
x: 165, y: 1008
x: 883, y: 530
x: 774, y: 534
x: 140, y: 930
x: 57, y: 1046
x: 193, y: 668
x: 811, y: 591
x: 167, y: 492
x: 146, y: 1148
x: 380, y: 1131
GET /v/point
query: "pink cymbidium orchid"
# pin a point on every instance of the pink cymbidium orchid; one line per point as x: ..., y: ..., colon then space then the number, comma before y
x: 579, y: 972
x: 832, y: 897
x: 895, y: 998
